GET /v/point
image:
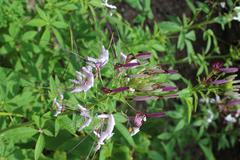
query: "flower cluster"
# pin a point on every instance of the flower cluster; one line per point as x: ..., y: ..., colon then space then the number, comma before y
x: 226, y: 88
x: 83, y: 82
x: 140, y: 84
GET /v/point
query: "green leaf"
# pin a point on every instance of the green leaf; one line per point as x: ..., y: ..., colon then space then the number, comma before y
x: 120, y: 118
x: 45, y: 37
x: 58, y: 36
x: 70, y: 7
x: 169, y: 27
x: 191, y: 36
x: 174, y: 114
x: 180, y: 125
x: 29, y: 35
x: 96, y: 3
x: 13, y: 29
x: 189, y: 102
x: 60, y: 155
x: 123, y: 130
x: 164, y: 136
x: 142, y: 143
x: 39, y: 146
x: 37, y: 22
x: 19, y: 133
x: 191, y: 6
x: 181, y: 41
x: 42, y: 13
x: 207, y: 152
x: 158, y: 47
x: 106, y: 151
x: 59, y: 24
x: 48, y: 133
x: 64, y: 122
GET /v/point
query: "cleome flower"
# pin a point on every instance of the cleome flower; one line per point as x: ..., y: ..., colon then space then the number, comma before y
x: 85, y: 114
x: 84, y: 81
x: 137, y: 123
x: 218, y: 67
x: 139, y: 118
x: 108, y: 133
x: 58, y: 105
x: 101, y: 61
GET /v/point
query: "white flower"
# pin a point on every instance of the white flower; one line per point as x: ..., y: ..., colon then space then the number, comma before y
x: 101, y: 61
x: 86, y: 115
x: 134, y: 131
x: 59, y: 106
x: 123, y: 58
x: 210, y: 116
x: 230, y: 119
x: 105, y: 3
x: 84, y: 81
x: 237, y: 12
x: 223, y: 4
x: 108, y: 133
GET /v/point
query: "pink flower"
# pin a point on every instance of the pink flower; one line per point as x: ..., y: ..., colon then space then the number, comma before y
x: 234, y: 102
x: 101, y: 61
x: 219, y: 67
x: 86, y: 115
x: 108, y: 133
x: 229, y: 70
x: 84, y: 81
x: 143, y: 55
x: 137, y: 123
x: 169, y: 88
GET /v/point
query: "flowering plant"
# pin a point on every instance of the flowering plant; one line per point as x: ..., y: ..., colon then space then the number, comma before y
x: 82, y: 80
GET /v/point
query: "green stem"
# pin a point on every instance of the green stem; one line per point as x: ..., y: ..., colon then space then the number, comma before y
x: 10, y: 114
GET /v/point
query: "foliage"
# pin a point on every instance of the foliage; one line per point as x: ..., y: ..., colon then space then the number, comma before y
x: 43, y: 43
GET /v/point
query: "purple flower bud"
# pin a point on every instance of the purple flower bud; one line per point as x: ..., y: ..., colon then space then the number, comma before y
x: 170, y: 71
x: 145, y: 98
x: 169, y: 88
x: 131, y: 64
x: 229, y: 70
x: 120, y: 89
x: 155, y: 115
x: 138, y: 119
x: 233, y: 103
x: 144, y: 55
x: 101, y: 61
x: 217, y: 82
